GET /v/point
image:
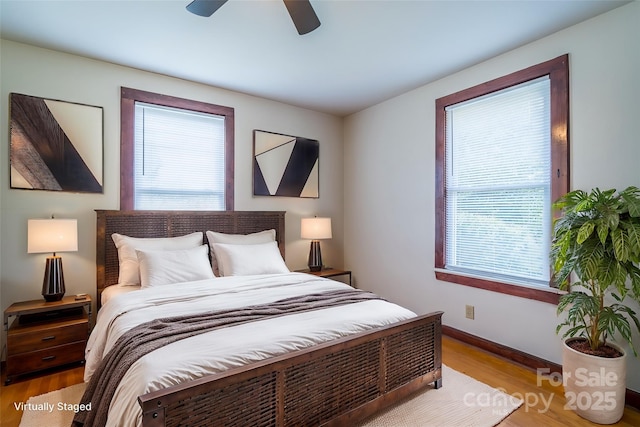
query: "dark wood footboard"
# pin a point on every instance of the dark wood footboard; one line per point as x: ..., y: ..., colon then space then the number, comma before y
x: 335, y: 383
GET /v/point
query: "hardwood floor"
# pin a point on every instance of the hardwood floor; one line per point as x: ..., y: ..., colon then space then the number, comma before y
x: 544, y: 403
x: 485, y: 367
x: 22, y: 389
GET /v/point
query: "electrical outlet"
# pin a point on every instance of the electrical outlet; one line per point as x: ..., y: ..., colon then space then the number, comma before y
x: 469, y: 312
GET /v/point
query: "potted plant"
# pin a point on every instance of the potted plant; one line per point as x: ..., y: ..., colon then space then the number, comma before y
x: 596, y: 242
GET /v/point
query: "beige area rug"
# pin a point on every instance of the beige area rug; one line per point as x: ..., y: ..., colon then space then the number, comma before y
x: 461, y: 401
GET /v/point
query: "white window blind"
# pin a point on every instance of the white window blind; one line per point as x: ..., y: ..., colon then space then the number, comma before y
x: 498, y: 186
x: 179, y: 159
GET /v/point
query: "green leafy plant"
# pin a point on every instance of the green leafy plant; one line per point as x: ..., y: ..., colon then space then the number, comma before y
x: 598, y: 239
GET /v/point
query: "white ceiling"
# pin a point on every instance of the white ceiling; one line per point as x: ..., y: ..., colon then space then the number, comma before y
x: 365, y: 51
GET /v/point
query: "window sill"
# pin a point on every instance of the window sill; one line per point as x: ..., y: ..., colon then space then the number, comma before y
x: 548, y: 295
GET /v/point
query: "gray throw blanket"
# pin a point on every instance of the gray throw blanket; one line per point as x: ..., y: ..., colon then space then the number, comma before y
x: 157, y: 333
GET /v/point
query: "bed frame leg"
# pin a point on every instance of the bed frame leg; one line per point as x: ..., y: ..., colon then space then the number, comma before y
x: 437, y: 383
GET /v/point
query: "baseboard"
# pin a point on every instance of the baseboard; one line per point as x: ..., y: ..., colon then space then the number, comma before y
x: 632, y: 398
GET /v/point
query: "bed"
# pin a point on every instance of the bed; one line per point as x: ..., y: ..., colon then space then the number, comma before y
x: 334, y: 381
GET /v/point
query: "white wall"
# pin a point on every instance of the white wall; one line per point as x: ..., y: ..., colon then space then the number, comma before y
x: 45, y: 73
x: 390, y: 177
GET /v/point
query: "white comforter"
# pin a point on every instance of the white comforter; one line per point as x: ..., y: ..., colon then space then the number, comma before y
x: 224, y: 348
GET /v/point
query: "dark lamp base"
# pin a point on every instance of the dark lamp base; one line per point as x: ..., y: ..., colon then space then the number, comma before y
x: 315, y: 256
x: 53, y: 283
x: 53, y: 297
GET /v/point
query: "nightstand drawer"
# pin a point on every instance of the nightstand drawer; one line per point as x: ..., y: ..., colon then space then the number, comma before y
x: 28, y: 338
x: 43, y: 359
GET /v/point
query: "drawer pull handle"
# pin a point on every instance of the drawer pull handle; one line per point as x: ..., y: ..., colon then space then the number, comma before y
x: 49, y: 338
x: 48, y: 358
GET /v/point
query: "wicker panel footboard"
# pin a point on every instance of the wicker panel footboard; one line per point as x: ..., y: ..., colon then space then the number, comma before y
x: 335, y: 383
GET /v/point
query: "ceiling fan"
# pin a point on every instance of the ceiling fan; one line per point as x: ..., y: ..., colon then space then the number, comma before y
x: 301, y: 12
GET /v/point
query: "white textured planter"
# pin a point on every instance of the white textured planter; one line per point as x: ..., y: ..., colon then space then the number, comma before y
x: 594, y: 386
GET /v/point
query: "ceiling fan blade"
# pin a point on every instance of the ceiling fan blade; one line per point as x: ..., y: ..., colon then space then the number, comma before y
x: 302, y: 15
x: 205, y: 7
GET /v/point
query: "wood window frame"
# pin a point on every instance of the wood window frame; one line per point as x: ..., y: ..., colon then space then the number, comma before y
x: 558, y: 71
x: 128, y: 98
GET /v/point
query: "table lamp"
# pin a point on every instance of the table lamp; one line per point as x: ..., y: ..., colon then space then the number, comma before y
x: 52, y: 235
x: 315, y: 229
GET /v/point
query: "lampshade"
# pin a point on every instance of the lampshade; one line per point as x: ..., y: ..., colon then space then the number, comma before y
x: 315, y: 228
x: 52, y: 235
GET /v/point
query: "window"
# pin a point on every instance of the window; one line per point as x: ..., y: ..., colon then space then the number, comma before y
x: 501, y: 160
x: 176, y: 154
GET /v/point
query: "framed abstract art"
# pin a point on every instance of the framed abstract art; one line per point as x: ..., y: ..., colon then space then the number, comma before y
x: 285, y: 165
x: 55, y: 145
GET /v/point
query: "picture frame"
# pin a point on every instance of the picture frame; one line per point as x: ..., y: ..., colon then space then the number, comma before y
x: 285, y: 165
x: 55, y: 145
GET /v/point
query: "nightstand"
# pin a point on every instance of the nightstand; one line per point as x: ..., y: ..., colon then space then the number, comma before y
x: 329, y: 272
x: 46, y: 334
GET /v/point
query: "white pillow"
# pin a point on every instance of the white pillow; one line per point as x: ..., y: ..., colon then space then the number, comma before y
x: 159, y: 268
x: 236, y: 239
x: 244, y: 260
x: 129, y: 268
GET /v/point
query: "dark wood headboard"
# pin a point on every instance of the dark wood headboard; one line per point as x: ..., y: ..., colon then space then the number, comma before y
x: 172, y: 224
